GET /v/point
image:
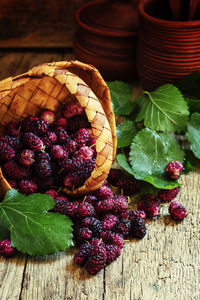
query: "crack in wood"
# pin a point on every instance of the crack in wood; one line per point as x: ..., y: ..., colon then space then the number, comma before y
x: 23, y: 277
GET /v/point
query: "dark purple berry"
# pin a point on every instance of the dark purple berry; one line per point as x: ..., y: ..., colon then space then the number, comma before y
x: 82, y: 254
x: 138, y: 228
x: 113, y: 252
x: 6, y: 152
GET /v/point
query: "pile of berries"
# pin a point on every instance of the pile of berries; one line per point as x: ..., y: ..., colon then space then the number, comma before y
x: 43, y: 151
x: 102, y: 222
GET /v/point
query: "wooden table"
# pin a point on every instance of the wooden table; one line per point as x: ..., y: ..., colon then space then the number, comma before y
x: 164, y: 265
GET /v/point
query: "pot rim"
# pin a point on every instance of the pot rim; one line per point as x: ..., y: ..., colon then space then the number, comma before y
x: 165, y: 23
x: 96, y: 30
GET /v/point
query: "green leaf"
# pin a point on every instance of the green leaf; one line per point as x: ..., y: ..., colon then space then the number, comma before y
x: 164, y: 109
x: 149, y: 155
x: 123, y: 162
x: 33, y: 229
x: 121, y: 94
x: 189, y: 85
x: 193, y: 134
x: 125, y: 133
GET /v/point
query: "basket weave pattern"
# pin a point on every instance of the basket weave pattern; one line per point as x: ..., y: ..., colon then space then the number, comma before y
x: 51, y: 86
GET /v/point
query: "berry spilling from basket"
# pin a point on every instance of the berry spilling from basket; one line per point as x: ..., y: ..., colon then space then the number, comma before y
x: 46, y: 153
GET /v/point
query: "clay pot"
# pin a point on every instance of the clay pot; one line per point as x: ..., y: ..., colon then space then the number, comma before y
x: 107, y: 37
x: 167, y: 50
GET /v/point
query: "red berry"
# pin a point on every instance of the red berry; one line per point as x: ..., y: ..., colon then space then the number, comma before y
x: 137, y: 213
x: 71, y: 146
x: 15, y: 171
x: 93, y: 224
x: 6, y: 248
x: 168, y: 195
x: 97, y: 259
x: 84, y: 234
x: 177, y: 211
x: 120, y: 203
x: 103, y: 192
x: 123, y: 227
x: 85, y: 210
x: 174, y: 169
x: 81, y: 136
x: 105, y: 206
x: 128, y: 185
x: 72, y: 109
x: 52, y: 193
x: 28, y: 186
x: 109, y: 221
x: 13, y: 142
x: 110, y: 237
x: 33, y: 141
x: 62, y: 135
x: 40, y: 126
x: 49, y: 138
x: 150, y: 204
x: 57, y: 152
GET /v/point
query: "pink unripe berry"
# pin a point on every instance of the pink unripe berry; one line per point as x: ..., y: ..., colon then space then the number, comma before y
x: 48, y: 115
x: 85, y: 152
x: 174, y: 169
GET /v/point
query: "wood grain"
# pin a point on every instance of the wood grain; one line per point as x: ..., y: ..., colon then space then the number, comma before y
x: 162, y: 266
x: 29, y: 23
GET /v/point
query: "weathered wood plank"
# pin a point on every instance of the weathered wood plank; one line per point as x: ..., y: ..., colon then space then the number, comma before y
x: 57, y: 278
x: 11, y: 276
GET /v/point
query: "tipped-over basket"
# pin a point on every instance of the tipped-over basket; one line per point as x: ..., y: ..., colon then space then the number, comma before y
x: 52, y: 85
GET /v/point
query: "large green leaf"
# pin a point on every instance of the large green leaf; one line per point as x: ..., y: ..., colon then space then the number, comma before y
x: 149, y: 155
x: 125, y: 133
x: 190, y: 88
x: 33, y: 229
x: 121, y: 95
x: 164, y: 109
x: 193, y: 134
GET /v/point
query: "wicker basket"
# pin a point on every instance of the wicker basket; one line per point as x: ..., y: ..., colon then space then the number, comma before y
x: 50, y: 86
